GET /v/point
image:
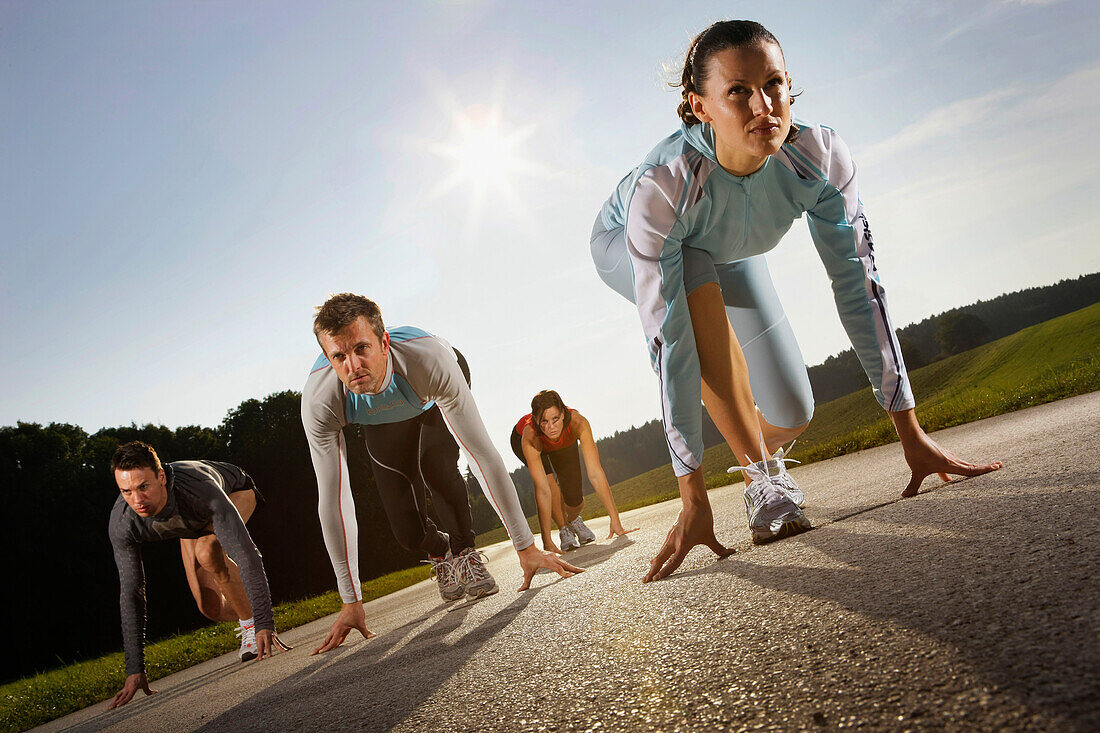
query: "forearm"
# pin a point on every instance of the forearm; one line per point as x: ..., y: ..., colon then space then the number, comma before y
x: 603, y: 490
x: 693, y: 490
x: 542, y: 502
x: 132, y: 613
x: 336, y: 510
x: 906, y: 425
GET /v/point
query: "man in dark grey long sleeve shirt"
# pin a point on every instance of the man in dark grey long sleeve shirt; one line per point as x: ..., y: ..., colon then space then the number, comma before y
x: 205, y: 505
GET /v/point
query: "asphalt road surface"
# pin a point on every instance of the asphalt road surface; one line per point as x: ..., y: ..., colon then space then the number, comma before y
x: 972, y: 606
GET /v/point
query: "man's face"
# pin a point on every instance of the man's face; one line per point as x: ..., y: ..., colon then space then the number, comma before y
x: 358, y: 356
x: 145, y: 490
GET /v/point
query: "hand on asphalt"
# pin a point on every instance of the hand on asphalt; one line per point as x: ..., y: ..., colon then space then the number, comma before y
x: 618, y: 531
x: 532, y: 559
x: 267, y: 643
x: 352, y: 616
x: 925, y: 457
x: 134, y: 682
x: 694, y: 526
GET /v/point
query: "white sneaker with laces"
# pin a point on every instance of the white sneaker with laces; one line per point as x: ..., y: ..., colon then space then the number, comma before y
x: 247, y: 635
x: 773, y: 513
x: 777, y: 469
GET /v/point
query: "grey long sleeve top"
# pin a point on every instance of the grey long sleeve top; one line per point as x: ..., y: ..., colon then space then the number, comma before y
x: 198, y: 504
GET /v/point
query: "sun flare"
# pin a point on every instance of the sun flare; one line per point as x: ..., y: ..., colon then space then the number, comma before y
x: 485, y: 156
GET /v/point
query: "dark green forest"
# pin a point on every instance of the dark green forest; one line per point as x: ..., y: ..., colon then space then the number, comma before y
x: 59, y: 491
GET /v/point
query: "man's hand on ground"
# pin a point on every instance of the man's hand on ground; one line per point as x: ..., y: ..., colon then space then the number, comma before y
x: 134, y: 682
x: 352, y: 616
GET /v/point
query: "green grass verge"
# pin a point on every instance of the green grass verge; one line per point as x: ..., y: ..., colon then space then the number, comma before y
x: 1050, y: 361
x: 39, y: 699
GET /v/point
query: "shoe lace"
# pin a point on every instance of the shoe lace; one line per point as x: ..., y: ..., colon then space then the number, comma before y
x: 762, y: 484
x: 443, y: 569
x: 470, y: 565
x: 247, y: 635
x: 780, y: 458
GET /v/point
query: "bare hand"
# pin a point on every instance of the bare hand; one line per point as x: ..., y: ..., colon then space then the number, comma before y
x: 352, y: 616
x: 267, y: 643
x: 618, y: 531
x: 694, y: 526
x: 532, y: 559
x: 925, y: 457
x: 134, y: 682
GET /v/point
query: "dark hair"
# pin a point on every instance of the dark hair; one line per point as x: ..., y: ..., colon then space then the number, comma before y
x: 340, y: 311
x: 718, y: 37
x: 542, y: 402
x: 135, y: 455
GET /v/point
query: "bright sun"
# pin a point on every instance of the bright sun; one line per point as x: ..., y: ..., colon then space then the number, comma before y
x: 485, y: 157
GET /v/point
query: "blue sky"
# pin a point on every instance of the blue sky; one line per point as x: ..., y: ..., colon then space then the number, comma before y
x: 180, y: 183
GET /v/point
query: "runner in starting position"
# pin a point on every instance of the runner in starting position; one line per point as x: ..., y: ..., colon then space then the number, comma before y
x: 409, y: 388
x: 550, y: 440
x: 683, y: 236
x: 205, y: 504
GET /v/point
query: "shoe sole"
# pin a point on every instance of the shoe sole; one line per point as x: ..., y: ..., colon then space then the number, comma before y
x: 481, y: 593
x: 585, y: 542
x: 248, y: 656
x: 452, y: 598
x: 789, y: 529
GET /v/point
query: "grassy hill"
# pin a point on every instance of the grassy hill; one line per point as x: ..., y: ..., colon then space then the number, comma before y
x: 1046, y: 362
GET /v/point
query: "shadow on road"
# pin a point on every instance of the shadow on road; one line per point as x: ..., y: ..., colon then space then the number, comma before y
x: 372, y: 686
x: 1008, y: 581
x: 594, y: 554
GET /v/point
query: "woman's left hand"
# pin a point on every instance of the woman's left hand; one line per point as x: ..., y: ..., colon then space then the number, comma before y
x: 925, y: 457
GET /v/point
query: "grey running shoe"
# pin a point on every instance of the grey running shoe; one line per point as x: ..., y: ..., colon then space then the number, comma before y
x: 247, y: 635
x: 567, y: 540
x: 443, y: 568
x: 581, y: 531
x: 473, y: 575
x: 772, y: 512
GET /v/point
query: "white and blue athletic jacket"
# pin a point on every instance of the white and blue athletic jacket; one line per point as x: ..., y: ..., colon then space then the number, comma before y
x: 680, y: 195
x: 421, y: 370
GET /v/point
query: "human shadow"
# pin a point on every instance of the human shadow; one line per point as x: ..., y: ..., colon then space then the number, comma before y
x: 142, y: 705
x: 1007, y: 580
x: 593, y: 554
x: 376, y: 687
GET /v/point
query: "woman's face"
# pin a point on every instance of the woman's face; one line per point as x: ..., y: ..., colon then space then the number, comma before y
x: 747, y: 100
x: 552, y: 423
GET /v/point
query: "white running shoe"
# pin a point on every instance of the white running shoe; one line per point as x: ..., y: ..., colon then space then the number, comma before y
x: 772, y: 512
x: 567, y: 539
x: 583, y: 534
x: 777, y: 469
x: 443, y: 569
x: 473, y: 575
x: 247, y: 635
